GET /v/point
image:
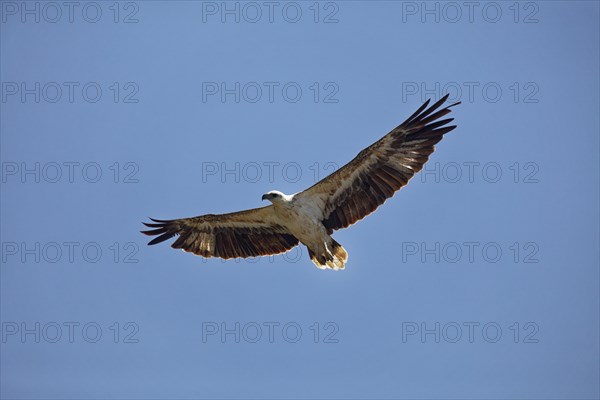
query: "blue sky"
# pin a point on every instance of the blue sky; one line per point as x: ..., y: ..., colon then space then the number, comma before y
x: 478, y: 280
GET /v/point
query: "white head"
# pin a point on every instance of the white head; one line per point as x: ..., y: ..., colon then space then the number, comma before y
x: 275, y: 196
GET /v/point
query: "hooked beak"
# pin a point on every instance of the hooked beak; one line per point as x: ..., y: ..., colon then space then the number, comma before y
x: 265, y: 197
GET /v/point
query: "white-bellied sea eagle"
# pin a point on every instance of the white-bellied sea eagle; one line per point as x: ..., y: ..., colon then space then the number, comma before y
x: 310, y: 217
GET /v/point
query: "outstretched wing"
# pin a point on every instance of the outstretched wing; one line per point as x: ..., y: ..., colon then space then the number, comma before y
x: 243, y: 234
x: 377, y: 172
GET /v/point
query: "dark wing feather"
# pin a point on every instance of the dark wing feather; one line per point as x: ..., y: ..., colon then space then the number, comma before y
x: 377, y: 172
x: 249, y: 233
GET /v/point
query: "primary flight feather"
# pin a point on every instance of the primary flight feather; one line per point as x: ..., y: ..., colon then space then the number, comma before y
x: 310, y: 217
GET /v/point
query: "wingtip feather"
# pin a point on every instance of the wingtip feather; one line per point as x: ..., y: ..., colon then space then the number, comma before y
x: 161, y: 238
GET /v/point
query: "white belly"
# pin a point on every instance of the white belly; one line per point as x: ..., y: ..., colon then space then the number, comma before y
x: 303, y: 221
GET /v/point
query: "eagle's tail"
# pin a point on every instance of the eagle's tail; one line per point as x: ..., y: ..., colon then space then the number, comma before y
x: 334, y: 258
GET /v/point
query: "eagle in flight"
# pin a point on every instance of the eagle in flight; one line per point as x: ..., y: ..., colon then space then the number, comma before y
x: 310, y: 217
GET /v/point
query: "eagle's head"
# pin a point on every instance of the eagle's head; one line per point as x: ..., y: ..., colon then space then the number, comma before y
x: 275, y: 196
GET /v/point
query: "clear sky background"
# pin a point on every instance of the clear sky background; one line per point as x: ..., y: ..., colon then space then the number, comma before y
x: 478, y: 280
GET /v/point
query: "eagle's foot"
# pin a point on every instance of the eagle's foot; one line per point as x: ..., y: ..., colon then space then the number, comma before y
x: 334, y: 259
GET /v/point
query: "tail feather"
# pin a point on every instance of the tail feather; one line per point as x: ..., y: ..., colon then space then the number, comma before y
x: 334, y: 258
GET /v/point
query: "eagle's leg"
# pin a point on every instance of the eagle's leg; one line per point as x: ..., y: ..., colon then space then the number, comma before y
x: 329, y: 255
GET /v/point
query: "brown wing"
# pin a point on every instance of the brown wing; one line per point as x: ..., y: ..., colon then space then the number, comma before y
x: 243, y: 234
x: 359, y: 187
